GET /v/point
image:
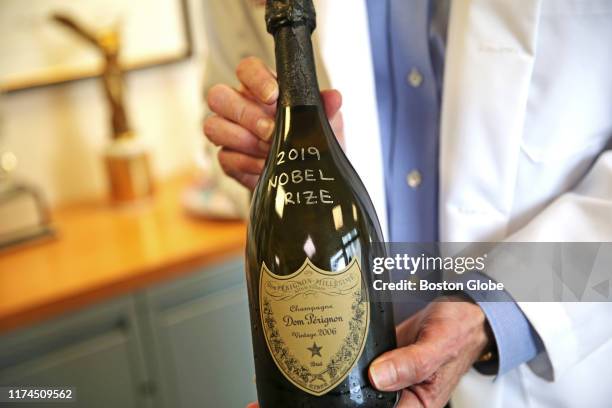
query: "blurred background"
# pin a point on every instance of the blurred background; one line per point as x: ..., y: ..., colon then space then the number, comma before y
x: 55, y: 130
x: 121, y: 273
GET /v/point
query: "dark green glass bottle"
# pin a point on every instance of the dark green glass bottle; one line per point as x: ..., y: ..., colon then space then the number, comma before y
x: 312, y: 235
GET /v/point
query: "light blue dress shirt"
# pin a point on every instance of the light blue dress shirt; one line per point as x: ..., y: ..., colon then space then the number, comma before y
x: 408, y: 46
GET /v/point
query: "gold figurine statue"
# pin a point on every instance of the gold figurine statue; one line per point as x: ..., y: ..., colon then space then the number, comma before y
x: 127, y: 160
x: 108, y: 43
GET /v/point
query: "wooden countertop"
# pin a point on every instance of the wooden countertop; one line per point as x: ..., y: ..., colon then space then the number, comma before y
x: 103, y: 251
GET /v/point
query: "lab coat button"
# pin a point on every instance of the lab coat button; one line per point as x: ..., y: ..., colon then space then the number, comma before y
x: 415, y: 78
x: 414, y: 178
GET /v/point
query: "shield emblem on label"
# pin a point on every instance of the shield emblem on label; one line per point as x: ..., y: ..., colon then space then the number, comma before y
x: 315, y: 323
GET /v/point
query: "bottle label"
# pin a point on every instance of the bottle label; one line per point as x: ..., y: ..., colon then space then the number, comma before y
x: 315, y: 323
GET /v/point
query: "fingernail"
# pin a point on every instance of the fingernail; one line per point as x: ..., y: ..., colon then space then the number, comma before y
x: 270, y: 91
x: 383, y: 374
x: 265, y: 128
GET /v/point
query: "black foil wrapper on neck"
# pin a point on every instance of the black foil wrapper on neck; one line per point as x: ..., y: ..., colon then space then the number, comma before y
x: 280, y: 13
x: 295, y: 66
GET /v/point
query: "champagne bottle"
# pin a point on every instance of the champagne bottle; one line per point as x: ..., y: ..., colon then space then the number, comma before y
x: 312, y: 234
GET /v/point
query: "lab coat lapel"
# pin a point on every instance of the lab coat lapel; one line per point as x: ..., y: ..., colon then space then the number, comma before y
x: 489, y: 61
x: 345, y: 47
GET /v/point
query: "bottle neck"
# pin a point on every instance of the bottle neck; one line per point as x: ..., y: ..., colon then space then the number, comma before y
x: 295, y: 66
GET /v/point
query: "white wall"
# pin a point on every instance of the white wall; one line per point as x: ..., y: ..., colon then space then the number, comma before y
x: 59, y: 133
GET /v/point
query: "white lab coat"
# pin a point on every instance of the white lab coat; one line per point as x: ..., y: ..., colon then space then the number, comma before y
x: 526, y: 113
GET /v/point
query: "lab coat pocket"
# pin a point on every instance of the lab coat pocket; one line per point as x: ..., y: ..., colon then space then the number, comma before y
x: 569, y: 106
x: 562, y: 147
x: 575, y: 7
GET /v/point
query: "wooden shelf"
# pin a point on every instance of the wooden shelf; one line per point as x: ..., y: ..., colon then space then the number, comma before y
x: 103, y: 251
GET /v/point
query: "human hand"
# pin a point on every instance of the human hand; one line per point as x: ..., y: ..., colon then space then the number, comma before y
x: 437, y: 346
x: 244, y: 119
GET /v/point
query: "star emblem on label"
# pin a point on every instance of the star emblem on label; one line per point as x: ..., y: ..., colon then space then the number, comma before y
x: 315, y: 350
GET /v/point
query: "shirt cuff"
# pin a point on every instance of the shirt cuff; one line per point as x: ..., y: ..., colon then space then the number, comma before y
x: 516, y: 340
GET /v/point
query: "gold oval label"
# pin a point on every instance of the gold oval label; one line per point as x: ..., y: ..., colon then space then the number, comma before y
x: 315, y: 323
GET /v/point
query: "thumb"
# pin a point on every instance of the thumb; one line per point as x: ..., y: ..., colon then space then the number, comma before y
x: 406, y: 366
